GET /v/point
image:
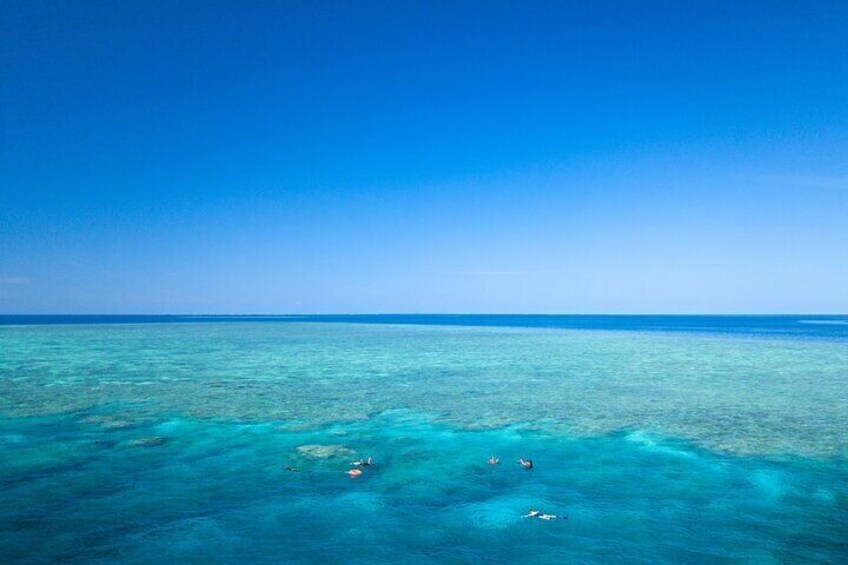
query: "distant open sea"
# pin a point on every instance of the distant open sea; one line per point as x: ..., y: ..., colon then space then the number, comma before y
x: 226, y: 439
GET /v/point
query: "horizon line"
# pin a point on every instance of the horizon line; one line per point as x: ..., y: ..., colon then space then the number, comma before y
x: 302, y: 315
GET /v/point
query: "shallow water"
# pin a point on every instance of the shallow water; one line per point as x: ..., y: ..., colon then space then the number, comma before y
x: 660, y: 446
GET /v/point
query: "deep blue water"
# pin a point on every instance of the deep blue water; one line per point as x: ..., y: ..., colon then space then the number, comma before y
x: 799, y: 326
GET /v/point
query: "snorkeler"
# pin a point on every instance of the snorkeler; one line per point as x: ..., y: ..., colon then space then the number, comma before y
x: 362, y: 463
x: 542, y: 516
x: 493, y: 460
x: 354, y: 473
x: 526, y: 463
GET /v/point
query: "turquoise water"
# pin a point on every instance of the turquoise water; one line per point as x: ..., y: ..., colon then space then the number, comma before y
x: 152, y: 442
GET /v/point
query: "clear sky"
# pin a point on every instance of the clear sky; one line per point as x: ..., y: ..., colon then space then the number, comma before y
x: 343, y: 157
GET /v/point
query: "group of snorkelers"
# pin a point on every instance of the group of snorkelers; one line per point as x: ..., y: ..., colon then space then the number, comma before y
x: 526, y: 463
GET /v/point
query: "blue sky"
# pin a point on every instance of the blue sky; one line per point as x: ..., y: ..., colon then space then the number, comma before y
x: 296, y: 157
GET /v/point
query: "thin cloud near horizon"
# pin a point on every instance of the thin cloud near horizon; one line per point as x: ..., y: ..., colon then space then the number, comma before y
x: 499, y: 273
x: 801, y: 181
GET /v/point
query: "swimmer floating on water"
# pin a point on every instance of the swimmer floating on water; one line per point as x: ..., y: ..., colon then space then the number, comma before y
x: 526, y: 463
x: 542, y: 516
x: 354, y: 473
x: 493, y: 460
x: 551, y: 517
x: 362, y: 463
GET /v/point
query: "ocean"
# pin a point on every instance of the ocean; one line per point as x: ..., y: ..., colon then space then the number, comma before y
x: 222, y: 439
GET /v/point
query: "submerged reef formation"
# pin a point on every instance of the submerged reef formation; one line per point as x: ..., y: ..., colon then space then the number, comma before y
x: 153, y: 441
x: 733, y: 393
x: 325, y: 451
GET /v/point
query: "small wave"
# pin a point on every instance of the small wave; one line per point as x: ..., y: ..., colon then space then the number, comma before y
x: 651, y: 444
x: 12, y: 439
